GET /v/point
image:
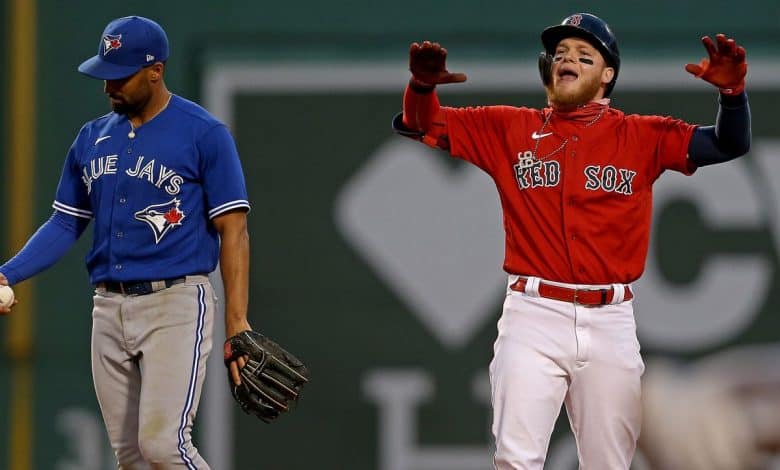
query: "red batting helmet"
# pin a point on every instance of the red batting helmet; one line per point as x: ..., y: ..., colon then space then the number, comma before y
x: 588, y: 27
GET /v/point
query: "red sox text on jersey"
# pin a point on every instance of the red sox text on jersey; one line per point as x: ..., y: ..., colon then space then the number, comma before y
x: 534, y: 174
x: 575, y: 187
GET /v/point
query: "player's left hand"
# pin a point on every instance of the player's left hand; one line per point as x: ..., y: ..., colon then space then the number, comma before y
x: 272, y: 378
x: 235, y: 365
x: 725, y: 68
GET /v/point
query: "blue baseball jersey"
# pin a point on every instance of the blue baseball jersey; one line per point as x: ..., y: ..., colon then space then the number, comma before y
x: 152, y: 192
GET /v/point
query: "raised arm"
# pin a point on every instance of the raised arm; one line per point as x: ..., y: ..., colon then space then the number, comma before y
x: 730, y: 137
x: 422, y: 118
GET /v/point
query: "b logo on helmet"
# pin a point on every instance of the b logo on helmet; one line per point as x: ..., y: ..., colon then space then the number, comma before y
x: 575, y: 20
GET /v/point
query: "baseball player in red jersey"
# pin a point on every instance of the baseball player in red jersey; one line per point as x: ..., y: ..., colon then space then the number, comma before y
x: 575, y: 183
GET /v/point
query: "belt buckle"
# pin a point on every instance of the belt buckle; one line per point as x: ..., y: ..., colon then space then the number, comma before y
x: 577, y: 299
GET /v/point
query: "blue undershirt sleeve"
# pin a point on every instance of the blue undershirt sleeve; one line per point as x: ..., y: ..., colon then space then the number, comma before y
x: 729, y: 138
x: 45, y: 247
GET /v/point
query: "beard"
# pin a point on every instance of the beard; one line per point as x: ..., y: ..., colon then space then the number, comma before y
x: 130, y: 104
x: 124, y: 107
x: 578, y: 96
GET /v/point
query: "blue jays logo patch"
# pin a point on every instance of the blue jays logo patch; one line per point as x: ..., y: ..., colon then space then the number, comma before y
x: 111, y: 42
x: 161, y: 217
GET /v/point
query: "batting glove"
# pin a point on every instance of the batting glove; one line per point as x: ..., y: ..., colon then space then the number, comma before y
x: 726, y: 66
x: 427, y: 62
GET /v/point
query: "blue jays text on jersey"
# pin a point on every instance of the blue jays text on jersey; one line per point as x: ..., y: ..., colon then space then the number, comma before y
x: 155, y: 173
x: 152, y: 192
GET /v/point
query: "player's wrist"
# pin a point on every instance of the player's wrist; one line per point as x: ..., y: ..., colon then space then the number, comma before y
x: 10, y: 276
x: 733, y: 91
x: 733, y: 101
x: 419, y: 86
x: 234, y: 326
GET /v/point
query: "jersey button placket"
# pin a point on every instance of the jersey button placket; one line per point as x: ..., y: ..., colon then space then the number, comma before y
x: 568, y: 206
x: 114, y: 244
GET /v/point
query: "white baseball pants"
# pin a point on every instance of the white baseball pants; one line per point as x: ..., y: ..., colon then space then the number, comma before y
x: 550, y: 353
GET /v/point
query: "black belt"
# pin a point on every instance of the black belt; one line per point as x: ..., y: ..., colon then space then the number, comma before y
x: 140, y: 287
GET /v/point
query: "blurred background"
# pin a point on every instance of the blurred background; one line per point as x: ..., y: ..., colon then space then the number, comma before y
x: 377, y: 260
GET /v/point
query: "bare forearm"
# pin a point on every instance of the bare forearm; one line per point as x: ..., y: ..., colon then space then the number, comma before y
x: 234, y: 266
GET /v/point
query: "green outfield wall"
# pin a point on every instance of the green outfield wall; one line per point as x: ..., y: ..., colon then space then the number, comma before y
x: 376, y: 260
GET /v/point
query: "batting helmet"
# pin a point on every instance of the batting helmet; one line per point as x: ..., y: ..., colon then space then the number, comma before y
x: 585, y: 26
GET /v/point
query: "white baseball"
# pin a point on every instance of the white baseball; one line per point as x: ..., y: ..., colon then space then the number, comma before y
x: 6, y: 296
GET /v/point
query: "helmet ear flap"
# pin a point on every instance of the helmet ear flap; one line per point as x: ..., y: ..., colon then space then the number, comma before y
x: 545, y: 67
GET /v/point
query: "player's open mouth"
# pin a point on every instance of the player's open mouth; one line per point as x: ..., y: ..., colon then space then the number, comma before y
x: 566, y: 74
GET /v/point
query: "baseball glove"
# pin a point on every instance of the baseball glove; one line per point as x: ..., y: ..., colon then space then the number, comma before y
x: 271, y: 379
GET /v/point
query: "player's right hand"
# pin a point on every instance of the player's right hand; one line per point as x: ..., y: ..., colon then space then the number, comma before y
x: 6, y: 310
x: 427, y: 62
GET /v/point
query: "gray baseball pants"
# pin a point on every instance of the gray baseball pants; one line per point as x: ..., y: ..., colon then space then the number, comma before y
x: 148, y: 364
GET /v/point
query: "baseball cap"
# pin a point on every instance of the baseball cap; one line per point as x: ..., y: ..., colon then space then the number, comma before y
x: 127, y: 45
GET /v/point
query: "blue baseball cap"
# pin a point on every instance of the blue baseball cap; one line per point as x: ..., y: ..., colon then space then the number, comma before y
x: 127, y: 45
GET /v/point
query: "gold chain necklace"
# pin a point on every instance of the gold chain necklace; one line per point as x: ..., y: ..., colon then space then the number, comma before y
x: 529, y: 161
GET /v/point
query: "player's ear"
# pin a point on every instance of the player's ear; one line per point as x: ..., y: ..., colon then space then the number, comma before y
x: 607, y: 75
x: 156, y: 71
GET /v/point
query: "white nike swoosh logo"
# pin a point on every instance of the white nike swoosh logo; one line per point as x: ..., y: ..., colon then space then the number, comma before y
x: 536, y: 136
x: 101, y: 139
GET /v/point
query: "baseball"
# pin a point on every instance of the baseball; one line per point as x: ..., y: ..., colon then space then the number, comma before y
x: 6, y: 296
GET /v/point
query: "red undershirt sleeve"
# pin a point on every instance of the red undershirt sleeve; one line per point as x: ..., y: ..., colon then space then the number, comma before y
x: 423, y: 113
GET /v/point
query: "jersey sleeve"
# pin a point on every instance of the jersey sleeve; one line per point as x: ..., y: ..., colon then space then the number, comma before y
x: 478, y: 134
x: 72, y: 195
x: 673, y: 137
x: 222, y: 175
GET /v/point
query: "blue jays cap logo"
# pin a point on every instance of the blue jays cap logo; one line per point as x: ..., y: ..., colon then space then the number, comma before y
x: 161, y: 217
x: 111, y: 42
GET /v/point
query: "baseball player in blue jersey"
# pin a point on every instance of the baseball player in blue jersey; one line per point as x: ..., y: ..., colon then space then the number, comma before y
x: 161, y: 179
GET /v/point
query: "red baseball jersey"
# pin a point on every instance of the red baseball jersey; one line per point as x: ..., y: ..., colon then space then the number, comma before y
x: 576, y: 192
